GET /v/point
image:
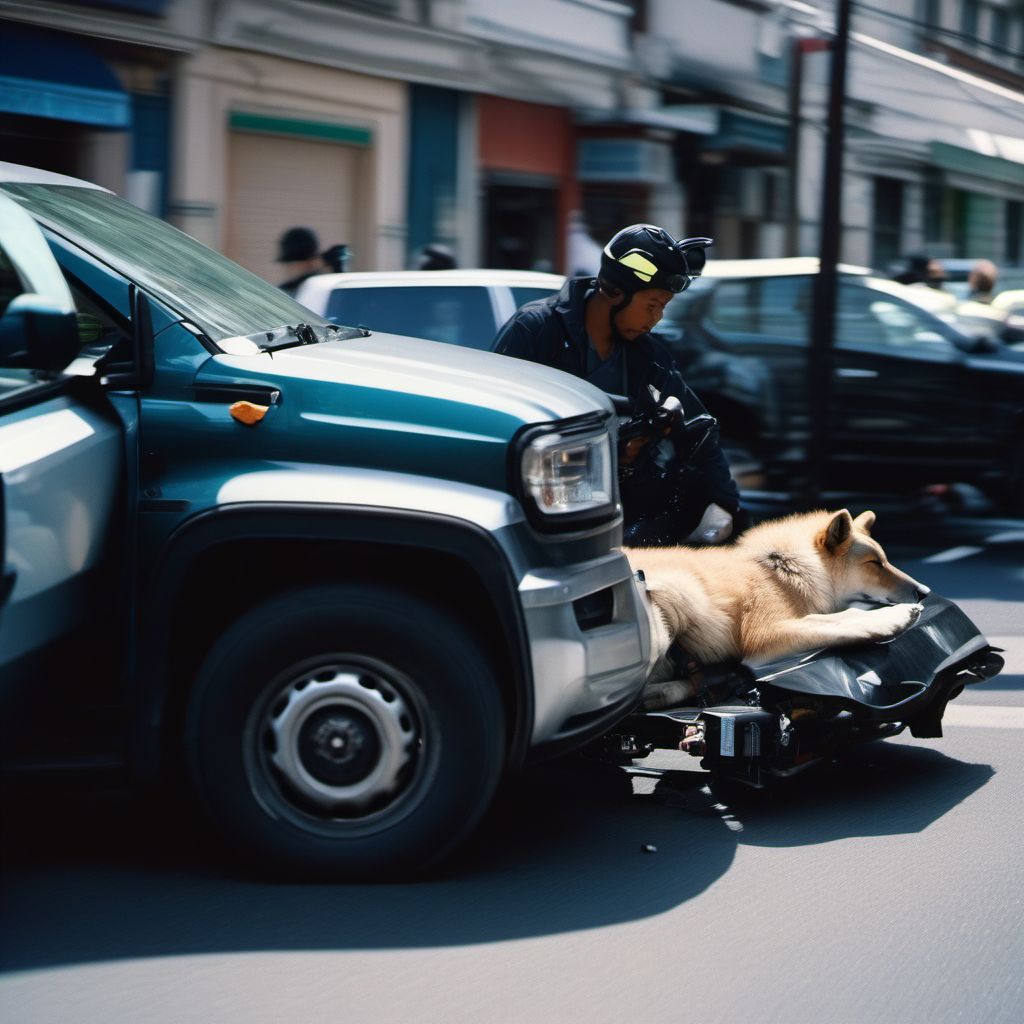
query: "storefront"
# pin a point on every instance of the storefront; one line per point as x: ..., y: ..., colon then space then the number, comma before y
x: 263, y: 144
x: 528, y: 181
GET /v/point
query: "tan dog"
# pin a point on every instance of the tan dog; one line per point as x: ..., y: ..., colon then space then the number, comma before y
x: 785, y: 586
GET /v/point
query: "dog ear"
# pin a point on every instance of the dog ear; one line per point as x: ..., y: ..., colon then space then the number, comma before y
x: 838, y: 531
x: 865, y: 521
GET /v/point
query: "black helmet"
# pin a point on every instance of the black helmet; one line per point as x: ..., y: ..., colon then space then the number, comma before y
x: 645, y: 256
x: 297, y: 244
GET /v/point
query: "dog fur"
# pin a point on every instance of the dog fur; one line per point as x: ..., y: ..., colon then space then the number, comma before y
x: 785, y: 586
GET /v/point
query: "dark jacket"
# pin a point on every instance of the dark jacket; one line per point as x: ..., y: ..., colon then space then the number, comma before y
x: 552, y: 331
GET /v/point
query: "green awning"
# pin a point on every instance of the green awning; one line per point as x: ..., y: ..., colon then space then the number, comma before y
x: 969, y: 161
x: 320, y: 131
x: 738, y: 130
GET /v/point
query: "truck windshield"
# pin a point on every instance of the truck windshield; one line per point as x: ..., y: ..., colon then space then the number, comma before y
x: 223, y: 299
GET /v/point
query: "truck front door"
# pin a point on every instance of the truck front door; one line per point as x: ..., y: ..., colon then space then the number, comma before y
x: 61, y: 467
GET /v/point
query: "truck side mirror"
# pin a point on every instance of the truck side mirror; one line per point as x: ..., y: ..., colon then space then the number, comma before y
x: 37, y: 333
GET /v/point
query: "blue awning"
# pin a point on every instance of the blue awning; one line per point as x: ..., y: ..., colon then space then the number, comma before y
x: 739, y: 130
x: 44, y: 74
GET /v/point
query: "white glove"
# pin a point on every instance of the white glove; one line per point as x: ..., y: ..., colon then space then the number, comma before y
x: 714, y: 527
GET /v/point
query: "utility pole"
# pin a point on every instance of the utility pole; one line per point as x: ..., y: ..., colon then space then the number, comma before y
x: 826, y: 285
x: 799, y: 46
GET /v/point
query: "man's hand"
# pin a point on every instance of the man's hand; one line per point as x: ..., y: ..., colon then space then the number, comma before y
x: 714, y: 527
x: 631, y: 449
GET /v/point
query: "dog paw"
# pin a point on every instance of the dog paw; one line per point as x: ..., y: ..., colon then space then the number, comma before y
x: 899, y: 617
x: 657, y: 696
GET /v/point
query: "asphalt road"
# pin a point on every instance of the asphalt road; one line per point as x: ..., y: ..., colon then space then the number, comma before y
x: 888, y: 889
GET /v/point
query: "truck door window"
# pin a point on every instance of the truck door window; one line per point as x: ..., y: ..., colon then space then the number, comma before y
x: 100, y: 327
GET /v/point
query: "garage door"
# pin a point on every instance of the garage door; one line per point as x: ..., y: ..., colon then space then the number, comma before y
x: 276, y: 183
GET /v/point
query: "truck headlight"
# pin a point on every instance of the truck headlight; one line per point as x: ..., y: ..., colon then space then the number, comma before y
x: 569, y: 475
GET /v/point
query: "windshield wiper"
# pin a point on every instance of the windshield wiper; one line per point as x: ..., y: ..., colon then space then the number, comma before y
x: 292, y: 336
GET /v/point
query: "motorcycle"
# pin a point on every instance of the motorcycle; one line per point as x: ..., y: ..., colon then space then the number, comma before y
x: 753, y: 723
x: 663, y: 490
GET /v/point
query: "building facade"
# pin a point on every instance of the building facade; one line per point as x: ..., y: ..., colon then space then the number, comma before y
x: 520, y: 135
x: 934, y: 155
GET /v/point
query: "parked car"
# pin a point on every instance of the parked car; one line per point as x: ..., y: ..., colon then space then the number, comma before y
x: 340, y: 581
x: 914, y: 401
x: 459, y: 307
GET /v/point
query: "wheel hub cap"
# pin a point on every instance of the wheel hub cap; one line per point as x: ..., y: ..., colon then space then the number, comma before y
x: 341, y: 738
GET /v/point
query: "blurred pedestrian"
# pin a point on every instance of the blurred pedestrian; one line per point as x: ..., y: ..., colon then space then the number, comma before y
x: 336, y: 258
x: 935, y: 275
x: 915, y: 270
x: 436, y: 257
x: 981, y: 281
x: 298, y: 249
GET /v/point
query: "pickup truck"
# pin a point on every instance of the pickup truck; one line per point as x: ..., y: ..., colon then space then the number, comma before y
x: 340, y: 582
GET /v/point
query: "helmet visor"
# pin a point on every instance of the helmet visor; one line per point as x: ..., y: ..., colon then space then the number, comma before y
x: 640, y: 265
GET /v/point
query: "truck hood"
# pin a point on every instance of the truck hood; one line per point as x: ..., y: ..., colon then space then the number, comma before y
x: 397, y: 404
x: 523, y: 391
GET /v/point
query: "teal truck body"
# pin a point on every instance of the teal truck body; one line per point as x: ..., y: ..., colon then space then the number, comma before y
x: 339, y: 582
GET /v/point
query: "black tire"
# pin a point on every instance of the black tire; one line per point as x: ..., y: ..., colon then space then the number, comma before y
x: 350, y: 732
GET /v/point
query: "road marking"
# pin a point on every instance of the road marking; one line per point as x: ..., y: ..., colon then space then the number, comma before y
x: 984, y: 716
x: 953, y: 554
x: 1006, y: 537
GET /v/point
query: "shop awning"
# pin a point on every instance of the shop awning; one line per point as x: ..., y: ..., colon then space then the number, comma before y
x: 995, y: 157
x: 740, y: 130
x: 45, y: 74
x: 720, y: 128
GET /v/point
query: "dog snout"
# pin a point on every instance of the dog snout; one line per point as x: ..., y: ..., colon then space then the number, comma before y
x: 921, y: 591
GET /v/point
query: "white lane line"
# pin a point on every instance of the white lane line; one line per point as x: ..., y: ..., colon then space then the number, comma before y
x: 1006, y: 537
x: 984, y: 716
x: 952, y: 554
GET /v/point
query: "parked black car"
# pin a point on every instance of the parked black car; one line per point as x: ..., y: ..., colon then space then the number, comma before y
x: 914, y: 401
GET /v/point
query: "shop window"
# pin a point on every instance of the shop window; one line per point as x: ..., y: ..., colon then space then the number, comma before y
x: 1014, y: 232
x: 931, y: 13
x: 520, y: 227
x: 969, y: 18
x: 887, y: 222
x: 999, y: 26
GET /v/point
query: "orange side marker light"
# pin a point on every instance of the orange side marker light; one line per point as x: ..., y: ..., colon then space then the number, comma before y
x: 248, y: 413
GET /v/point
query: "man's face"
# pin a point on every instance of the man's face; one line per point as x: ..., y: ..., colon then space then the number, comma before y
x: 643, y: 313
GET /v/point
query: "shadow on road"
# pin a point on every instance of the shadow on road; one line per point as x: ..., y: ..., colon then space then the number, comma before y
x: 100, y: 877
x: 885, y: 789
x: 998, y: 684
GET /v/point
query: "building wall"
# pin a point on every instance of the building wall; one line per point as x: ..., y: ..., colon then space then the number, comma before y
x: 215, y: 84
x: 434, y: 125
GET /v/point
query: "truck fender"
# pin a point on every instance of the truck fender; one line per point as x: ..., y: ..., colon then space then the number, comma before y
x: 369, y: 534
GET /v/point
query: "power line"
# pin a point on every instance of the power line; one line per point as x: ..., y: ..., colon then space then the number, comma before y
x: 939, y: 30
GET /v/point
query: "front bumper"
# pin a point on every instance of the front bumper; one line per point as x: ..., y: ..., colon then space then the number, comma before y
x: 588, y: 670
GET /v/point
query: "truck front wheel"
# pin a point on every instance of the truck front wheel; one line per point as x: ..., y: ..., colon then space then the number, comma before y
x: 349, y: 732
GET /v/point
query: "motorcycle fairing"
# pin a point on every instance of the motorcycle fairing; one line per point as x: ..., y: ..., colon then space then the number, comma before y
x: 909, y: 678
